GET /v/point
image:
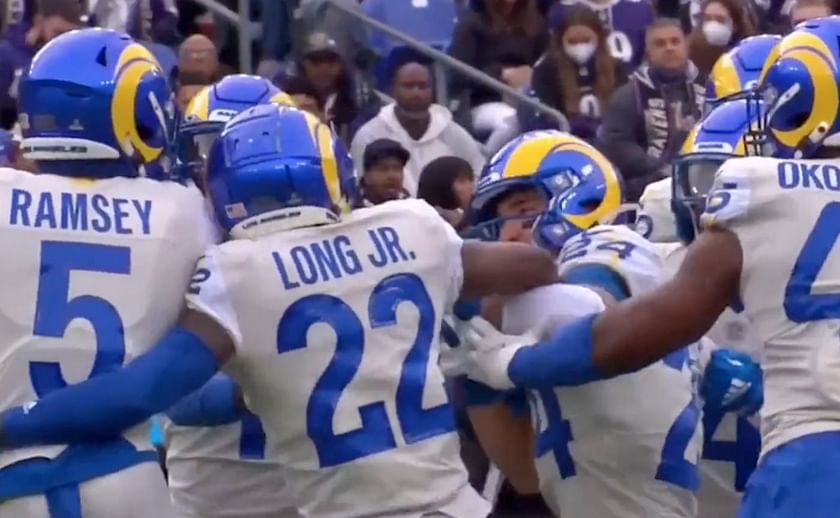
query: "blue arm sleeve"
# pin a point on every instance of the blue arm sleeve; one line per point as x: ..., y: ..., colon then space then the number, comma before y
x: 102, y: 407
x: 214, y: 404
x: 564, y: 359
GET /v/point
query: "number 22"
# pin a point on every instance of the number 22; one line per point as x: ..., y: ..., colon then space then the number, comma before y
x: 376, y: 434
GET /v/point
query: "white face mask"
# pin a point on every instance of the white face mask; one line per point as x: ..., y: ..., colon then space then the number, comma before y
x: 580, y: 53
x: 717, y: 33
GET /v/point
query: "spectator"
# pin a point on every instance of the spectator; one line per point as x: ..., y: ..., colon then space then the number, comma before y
x: 304, y: 95
x: 648, y: 119
x: 803, y: 10
x: 15, y: 54
x: 447, y: 183
x: 318, y: 16
x: 198, y: 56
x: 578, y: 75
x: 724, y: 24
x: 50, y: 19
x: 503, y: 38
x: 625, y: 22
x: 198, y: 66
x: 426, y: 130
x: 153, y: 20
x: 53, y: 18
x: 383, y: 165
x: 347, y: 102
x: 109, y: 14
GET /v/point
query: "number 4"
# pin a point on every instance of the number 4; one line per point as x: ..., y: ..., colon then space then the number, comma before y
x: 800, y: 304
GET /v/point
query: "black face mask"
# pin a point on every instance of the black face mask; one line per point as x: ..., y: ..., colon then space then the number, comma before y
x: 667, y: 75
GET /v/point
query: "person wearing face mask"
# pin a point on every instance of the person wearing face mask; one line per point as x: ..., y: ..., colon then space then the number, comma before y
x: 723, y: 25
x: 577, y: 75
x: 647, y: 119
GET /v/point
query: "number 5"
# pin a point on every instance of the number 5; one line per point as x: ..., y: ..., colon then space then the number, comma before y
x: 54, y: 312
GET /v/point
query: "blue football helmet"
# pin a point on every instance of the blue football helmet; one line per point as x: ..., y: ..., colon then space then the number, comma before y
x: 211, y: 108
x: 96, y: 104
x: 279, y: 167
x: 799, y: 86
x: 581, y: 187
x: 733, y: 129
x: 736, y: 72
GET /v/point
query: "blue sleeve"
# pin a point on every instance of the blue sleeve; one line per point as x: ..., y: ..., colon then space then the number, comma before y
x: 564, y: 359
x: 102, y: 407
x: 214, y: 404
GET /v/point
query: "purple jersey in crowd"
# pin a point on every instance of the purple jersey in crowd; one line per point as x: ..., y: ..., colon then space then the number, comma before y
x: 625, y: 20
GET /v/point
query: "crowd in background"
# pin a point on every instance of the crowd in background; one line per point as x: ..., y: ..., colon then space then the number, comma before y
x: 627, y: 76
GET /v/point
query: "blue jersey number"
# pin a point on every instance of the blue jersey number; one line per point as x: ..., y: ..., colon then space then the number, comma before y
x: 375, y: 435
x: 54, y: 310
x: 673, y: 467
x: 580, y: 247
x: 743, y: 451
x: 556, y: 436
x: 252, y: 440
x: 800, y: 304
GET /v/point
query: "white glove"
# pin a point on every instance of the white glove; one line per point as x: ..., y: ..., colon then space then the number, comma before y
x: 489, y: 351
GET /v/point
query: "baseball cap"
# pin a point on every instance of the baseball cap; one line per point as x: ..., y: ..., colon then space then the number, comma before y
x: 319, y: 43
x: 383, y: 148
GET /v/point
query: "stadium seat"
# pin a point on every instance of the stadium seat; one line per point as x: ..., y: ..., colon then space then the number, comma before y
x: 429, y: 21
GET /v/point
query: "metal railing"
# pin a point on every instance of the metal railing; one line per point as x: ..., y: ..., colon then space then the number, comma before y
x: 242, y: 20
x: 459, y: 67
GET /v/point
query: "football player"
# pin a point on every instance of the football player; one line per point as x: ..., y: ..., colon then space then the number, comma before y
x: 736, y: 72
x: 621, y: 448
x: 329, y: 323
x: 731, y: 441
x: 220, y: 471
x: 99, y: 248
x: 770, y: 226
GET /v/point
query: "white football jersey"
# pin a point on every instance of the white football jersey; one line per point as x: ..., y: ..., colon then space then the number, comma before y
x: 94, y: 273
x: 223, y: 472
x: 785, y: 214
x: 731, y: 443
x: 655, y: 220
x: 336, y: 329
x: 625, y: 447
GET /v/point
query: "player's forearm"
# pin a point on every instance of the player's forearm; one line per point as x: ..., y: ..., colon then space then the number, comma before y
x: 218, y: 402
x: 564, y: 359
x: 505, y: 269
x: 642, y: 330
x: 102, y: 407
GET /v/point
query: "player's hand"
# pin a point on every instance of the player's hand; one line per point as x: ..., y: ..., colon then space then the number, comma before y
x: 489, y: 351
x: 733, y: 382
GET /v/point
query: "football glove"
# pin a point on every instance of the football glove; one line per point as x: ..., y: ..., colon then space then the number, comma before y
x: 489, y: 351
x: 733, y: 382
